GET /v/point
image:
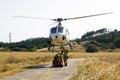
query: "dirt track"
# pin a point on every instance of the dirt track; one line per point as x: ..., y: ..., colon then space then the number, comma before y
x: 45, y: 72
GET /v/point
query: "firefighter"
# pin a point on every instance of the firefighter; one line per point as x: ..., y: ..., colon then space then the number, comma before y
x: 65, y: 56
x: 64, y: 52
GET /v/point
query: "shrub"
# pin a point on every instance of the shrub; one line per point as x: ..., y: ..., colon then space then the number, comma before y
x: 12, y: 59
x: 91, y: 48
x: 19, y: 49
x: 117, y: 43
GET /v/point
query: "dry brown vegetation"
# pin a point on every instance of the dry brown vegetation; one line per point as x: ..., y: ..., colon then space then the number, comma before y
x: 97, y: 66
x: 102, y: 66
x: 14, y: 62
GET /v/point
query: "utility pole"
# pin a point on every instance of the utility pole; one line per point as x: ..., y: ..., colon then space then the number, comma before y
x: 9, y: 37
x: 9, y: 41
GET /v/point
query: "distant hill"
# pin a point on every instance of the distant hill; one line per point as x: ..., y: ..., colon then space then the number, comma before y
x: 100, y: 40
x: 31, y: 44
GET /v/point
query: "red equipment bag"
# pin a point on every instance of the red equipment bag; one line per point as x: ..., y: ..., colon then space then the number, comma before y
x: 58, y: 63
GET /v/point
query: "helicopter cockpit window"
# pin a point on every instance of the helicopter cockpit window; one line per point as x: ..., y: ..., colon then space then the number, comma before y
x: 53, y: 30
x: 60, y: 29
x: 57, y: 29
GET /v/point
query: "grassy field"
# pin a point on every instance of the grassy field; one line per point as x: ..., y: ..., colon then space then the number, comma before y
x: 102, y: 66
x: 97, y: 66
x: 14, y: 62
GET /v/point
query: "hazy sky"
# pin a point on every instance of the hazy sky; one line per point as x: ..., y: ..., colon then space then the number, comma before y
x: 23, y: 29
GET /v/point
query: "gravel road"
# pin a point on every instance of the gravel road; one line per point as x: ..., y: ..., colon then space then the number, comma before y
x: 45, y: 72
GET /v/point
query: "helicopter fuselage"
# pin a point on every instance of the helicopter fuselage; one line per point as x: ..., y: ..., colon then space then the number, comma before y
x: 59, y: 35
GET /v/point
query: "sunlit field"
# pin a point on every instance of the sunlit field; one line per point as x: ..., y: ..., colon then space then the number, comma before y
x: 97, y: 66
x: 14, y: 62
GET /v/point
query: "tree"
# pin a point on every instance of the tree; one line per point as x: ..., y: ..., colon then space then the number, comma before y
x: 31, y: 44
x: 117, y: 43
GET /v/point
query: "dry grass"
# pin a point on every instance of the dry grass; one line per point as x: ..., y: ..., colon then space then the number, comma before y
x: 100, y: 55
x: 102, y: 66
x: 97, y: 66
x: 14, y: 62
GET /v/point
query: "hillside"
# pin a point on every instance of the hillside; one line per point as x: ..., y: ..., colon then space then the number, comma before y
x: 31, y: 44
x: 101, y: 40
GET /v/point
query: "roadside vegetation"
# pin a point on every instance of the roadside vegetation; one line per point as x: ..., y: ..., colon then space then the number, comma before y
x: 14, y: 62
x: 99, y: 66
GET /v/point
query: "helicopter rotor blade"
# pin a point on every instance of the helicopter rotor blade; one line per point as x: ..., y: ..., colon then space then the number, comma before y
x: 32, y: 17
x: 88, y: 16
x: 63, y: 19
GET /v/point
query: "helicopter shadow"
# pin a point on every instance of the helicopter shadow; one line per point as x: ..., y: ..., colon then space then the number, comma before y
x: 44, y: 66
x: 38, y: 67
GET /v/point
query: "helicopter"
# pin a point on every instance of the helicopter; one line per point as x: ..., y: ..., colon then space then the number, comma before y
x: 59, y: 35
